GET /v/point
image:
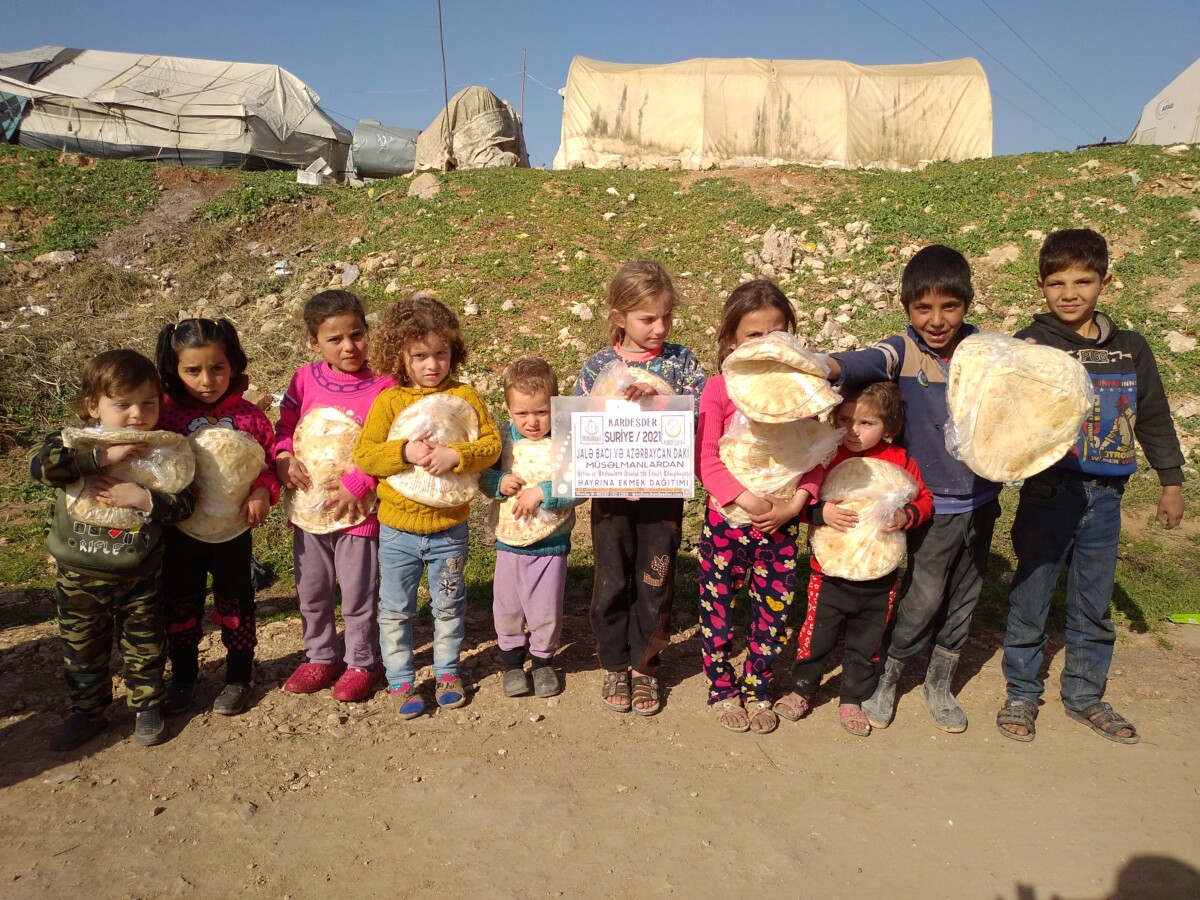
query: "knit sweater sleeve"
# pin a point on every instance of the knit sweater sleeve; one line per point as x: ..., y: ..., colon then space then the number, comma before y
x: 1154, y: 428
x: 373, y: 452
x: 477, y: 455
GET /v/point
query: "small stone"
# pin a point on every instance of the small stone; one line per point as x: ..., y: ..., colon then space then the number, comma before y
x: 612, y: 190
x: 158, y: 811
x: 392, y: 287
x: 609, y: 215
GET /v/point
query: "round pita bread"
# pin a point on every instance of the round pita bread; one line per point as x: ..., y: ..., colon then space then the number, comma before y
x: 227, y: 464
x: 775, y: 379
x: 617, y: 376
x: 875, y: 490
x: 530, y: 461
x: 1015, y: 408
x: 167, y: 465
x: 447, y: 419
x: 769, y: 459
x: 324, y: 442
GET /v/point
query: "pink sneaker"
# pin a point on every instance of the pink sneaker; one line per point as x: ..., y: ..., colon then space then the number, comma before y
x: 311, y: 677
x: 356, y: 684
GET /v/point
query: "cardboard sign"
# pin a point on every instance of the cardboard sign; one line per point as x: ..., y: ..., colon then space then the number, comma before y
x: 608, y: 447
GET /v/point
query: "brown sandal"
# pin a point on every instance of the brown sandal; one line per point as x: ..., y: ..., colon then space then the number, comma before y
x: 732, y: 715
x: 645, y: 689
x: 792, y: 707
x: 762, y: 718
x: 616, y: 684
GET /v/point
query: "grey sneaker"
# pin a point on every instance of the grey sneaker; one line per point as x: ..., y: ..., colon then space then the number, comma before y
x: 149, y: 728
x: 546, y: 682
x: 232, y: 700
x: 516, y: 683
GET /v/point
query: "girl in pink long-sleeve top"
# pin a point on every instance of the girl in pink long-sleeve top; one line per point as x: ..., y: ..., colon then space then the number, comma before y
x: 766, y: 550
x: 341, y: 380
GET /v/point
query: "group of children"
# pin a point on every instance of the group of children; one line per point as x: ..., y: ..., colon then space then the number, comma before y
x: 150, y: 583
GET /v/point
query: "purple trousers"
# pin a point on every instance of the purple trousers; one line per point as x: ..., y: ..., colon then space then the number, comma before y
x: 323, y: 561
x: 528, y: 593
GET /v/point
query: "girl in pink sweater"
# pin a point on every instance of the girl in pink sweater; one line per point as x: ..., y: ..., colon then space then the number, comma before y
x: 766, y: 550
x: 337, y: 330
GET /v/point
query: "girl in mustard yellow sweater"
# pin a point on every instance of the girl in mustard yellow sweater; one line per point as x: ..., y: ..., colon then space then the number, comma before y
x: 418, y: 341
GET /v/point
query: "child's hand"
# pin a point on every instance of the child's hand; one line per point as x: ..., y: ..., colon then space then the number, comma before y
x: 899, y: 519
x: 638, y: 390
x: 344, y: 505
x: 838, y: 517
x: 419, y: 451
x: 442, y: 460
x: 108, y: 456
x: 291, y: 472
x: 753, y: 504
x: 1170, y: 507
x: 510, y: 484
x: 528, y: 502
x: 121, y: 494
x: 256, y: 507
x: 777, y: 515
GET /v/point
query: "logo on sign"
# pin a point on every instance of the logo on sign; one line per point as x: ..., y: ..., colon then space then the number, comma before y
x: 591, y: 429
x: 1163, y: 108
x: 674, y: 430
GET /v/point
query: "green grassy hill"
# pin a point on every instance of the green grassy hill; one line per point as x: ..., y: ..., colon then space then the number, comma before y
x: 524, y: 257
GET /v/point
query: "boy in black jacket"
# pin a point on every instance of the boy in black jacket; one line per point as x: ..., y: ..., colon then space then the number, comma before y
x: 1072, y: 511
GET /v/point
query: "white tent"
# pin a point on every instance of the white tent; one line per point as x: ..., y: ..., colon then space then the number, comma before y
x: 190, y: 111
x: 1173, y: 116
x: 704, y: 112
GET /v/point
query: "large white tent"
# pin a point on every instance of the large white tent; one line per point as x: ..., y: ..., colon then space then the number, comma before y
x: 171, y: 109
x: 1173, y: 116
x: 705, y: 112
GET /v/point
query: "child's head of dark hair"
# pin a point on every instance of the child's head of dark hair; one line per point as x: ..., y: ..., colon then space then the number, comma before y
x: 885, y: 399
x: 530, y: 376
x: 113, y: 373
x: 328, y: 304
x: 936, y: 269
x: 1081, y: 247
x: 746, y: 298
x: 191, y: 334
x: 408, y: 322
x: 636, y: 285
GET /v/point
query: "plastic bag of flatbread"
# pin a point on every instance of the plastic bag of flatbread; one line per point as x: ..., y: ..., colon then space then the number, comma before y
x: 616, y: 377
x: 324, y: 442
x: 166, y: 465
x: 769, y: 459
x: 445, y: 419
x: 875, y: 490
x: 1015, y: 408
x: 774, y: 378
x: 227, y: 464
x: 530, y: 461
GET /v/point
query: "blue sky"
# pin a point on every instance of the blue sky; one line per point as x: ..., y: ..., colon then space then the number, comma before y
x: 381, y: 60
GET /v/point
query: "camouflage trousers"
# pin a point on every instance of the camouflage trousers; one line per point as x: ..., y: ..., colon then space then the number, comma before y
x: 89, y: 612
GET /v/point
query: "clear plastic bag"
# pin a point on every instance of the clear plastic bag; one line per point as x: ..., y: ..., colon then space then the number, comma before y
x: 775, y: 378
x: 531, y: 461
x: 1016, y: 408
x: 444, y: 419
x: 324, y: 442
x: 227, y: 463
x: 166, y: 464
x: 617, y: 376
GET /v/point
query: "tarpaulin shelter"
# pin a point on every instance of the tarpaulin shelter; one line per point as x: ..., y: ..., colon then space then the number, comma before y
x: 1173, y: 116
x: 382, y: 151
x: 476, y: 130
x: 710, y: 112
x: 163, y: 108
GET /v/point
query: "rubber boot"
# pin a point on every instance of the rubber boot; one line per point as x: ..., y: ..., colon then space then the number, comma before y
x: 947, y: 714
x: 880, y: 707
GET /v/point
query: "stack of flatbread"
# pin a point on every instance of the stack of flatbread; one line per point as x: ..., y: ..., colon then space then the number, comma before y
x: 1015, y: 408
x: 769, y: 459
x: 775, y: 379
x: 227, y: 464
x: 444, y: 419
x: 165, y: 465
x: 324, y: 442
x: 874, y: 489
x: 531, y: 462
x: 617, y: 376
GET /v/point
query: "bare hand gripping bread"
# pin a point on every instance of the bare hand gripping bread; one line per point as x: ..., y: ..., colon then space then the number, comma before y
x: 165, y: 465
x: 324, y: 442
x: 1015, y: 407
x: 530, y: 461
x: 616, y: 377
x: 445, y: 419
x: 875, y: 490
x: 775, y: 379
x: 227, y: 464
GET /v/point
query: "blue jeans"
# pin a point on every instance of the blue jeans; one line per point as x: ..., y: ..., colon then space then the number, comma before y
x: 1064, y: 518
x: 402, y: 559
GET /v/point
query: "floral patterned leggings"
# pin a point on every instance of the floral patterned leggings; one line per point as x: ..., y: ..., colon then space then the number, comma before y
x: 727, y: 554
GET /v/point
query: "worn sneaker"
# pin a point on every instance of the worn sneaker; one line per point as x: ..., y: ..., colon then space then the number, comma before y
x: 411, y: 704
x: 545, y: 681
x: 516, y: 683
x: 77, y: 731
x: 449, y: 692
x: 232, y: 700
x: 179, y: 697
x: 356, y: 684
x: 311, y: 677
x: 149, y: 728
